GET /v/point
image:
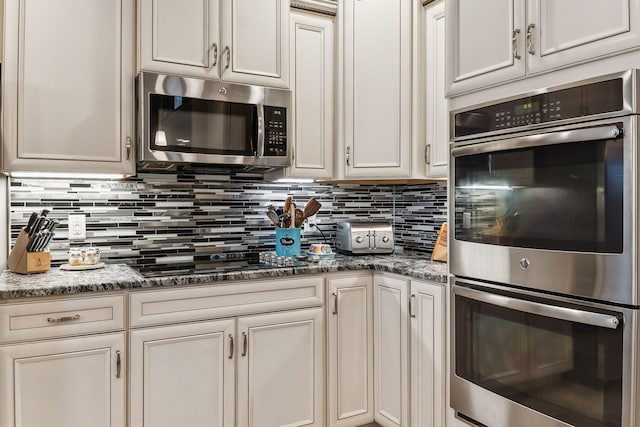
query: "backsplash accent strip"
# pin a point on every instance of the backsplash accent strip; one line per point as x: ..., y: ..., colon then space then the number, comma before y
x: 171, y: 221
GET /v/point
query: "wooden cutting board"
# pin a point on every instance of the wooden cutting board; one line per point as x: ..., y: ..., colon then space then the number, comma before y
x: 440, y: 250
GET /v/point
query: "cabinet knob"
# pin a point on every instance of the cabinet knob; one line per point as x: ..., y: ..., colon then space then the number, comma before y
x: 359, y: 239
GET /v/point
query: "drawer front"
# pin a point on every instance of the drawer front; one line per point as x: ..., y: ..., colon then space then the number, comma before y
x: 57, y: 318
x: 223, y: 300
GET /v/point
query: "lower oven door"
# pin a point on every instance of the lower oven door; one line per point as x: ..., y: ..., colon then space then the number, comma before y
x: 519, y: 359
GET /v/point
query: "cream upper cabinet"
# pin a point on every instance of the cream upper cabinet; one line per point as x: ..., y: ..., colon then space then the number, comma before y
x: 61, y: 383
x: 240, y: 41
x: 485, y: 45
x: 375, y: 135
x: 181, y: 37
x: 494, y: 41
x: 68, y: 86
x: 350, y: 350
x: 312, y: 95
x: 431, y: 146
x: 570, y: 31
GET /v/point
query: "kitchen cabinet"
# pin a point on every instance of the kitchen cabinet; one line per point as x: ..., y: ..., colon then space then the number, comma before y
x: 63, y: 363
x: 437, y: 117
x: 375, y: 117
x: 312, y: 86
x: 183, y: 375
x: 428, y: 364
x: 527, y: 37
x: 350, y: 350
x: 240, y: 41
x: 260, y: 364
x: 391, y: 350
x: 409, y: 341
x: 281, y: 369
x: 68, y: 86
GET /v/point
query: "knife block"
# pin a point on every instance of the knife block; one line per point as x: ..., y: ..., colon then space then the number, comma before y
x: 23, y: 262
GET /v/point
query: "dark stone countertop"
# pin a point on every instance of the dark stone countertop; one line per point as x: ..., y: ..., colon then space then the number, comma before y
x: 122, y: 277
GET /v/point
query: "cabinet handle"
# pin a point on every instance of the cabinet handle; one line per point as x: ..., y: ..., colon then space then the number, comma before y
x: 118, y: 364
x: 530, y: 48
x: 335, y: 303
x: 245, y: 344
x: 230, y: 346
x: 62, y: 319
x: 427, y: 154
x: 514, y: 43
x: 411, y: 299
x: 213, y: 47
x: 228, y: 55
x: 128, y: 147
x: 348, y: 155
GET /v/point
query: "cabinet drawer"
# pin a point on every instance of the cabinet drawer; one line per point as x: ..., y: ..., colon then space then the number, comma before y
x: 35, y: 320
x: 223, y: 300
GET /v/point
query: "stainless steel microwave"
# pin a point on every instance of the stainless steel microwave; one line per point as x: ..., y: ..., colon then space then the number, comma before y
x: 191, y: 120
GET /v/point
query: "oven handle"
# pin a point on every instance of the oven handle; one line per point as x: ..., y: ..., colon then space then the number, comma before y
x: 561, y: 313
x: 541, y: 139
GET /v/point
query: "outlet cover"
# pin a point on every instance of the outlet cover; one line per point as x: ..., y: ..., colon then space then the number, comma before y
x: 309, y: 225
x: 77, y: 227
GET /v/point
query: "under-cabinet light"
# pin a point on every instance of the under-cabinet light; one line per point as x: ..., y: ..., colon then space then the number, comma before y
x: 295, y: 180
x: 66, y: 175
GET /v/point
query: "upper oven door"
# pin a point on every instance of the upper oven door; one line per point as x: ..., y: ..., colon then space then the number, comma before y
x: 551, y: 210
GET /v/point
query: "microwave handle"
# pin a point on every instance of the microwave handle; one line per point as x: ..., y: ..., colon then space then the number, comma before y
x: 541, y: 139
x: 258, y: 132
x: 546, y: 310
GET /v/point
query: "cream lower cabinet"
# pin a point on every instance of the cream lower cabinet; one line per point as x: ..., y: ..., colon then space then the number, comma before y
x: 350, y: 350
x: 211, y: 362
x: 71, y: 382
x: 183, y: 375
x: 409, y: 338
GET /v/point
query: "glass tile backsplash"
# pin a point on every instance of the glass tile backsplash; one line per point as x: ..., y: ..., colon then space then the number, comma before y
x: 169, y: 221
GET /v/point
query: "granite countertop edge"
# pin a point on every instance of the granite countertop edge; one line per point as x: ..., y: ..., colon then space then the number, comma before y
x: 116, y: 277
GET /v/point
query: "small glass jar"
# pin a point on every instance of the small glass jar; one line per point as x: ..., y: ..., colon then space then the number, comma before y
x: 75, y: 256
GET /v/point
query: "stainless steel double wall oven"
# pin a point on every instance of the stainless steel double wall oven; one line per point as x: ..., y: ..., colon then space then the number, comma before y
x: 544, y: 256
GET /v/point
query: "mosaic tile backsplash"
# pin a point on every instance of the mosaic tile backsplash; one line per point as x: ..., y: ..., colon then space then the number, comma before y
x: 168, y: 222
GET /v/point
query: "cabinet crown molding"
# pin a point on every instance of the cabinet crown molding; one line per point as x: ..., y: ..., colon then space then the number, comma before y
x: 328, y: 7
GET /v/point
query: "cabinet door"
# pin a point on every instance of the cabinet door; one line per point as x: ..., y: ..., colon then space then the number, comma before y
x: 68, y: 78
x: 391, y: 351
x: 437, y: 119
x: 280, y: 369
x: 312, y: 91
x: 377, y: 88
x: 183, y: 375
x: 427, y: 354
x: 569, y: 31
x: 350, y: 341
x: 256, y: 42
x: 63, y: 383
x: 483, y: 52
x: 180, y: 37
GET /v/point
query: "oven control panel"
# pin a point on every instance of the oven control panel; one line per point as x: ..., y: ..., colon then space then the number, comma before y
x: 275, y: 131
x: 578, y: 101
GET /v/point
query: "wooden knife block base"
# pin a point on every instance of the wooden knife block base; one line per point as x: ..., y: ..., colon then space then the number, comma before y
x: 23, y: 262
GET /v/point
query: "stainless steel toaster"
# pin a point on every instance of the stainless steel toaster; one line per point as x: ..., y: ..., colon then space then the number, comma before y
x: 364, y: 237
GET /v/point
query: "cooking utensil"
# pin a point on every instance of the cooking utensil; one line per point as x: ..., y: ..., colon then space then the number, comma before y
x: 299, y: 218
x: 287, y: 204
x: 311, y: 208
x: 292, y: 215
x: 32, y: 220
x: 273, y: 216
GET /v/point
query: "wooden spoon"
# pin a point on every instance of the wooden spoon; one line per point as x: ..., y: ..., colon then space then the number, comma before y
x: 311, y: 208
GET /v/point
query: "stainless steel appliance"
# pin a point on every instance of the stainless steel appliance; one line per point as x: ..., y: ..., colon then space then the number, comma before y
x: 190, y: 120
x: 543, y: 250
x: 359, y: 238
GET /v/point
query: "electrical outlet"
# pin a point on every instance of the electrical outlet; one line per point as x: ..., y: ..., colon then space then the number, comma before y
x: 309, y: 225
x: 77, y: 227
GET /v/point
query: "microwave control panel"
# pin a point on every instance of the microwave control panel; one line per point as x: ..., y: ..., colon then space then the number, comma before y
x: 275, y: 131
